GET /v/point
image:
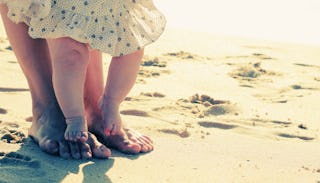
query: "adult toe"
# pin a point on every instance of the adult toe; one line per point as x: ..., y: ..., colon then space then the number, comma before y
x: 85, y: 150
x: 147, y: 146
x: 101, y: 152
x: 75, y: 150
x: 49, y: 146
x: 64, y: 150
x: 124, y: 145
x: 98, y: 150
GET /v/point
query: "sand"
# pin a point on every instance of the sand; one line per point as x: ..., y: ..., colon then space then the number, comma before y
x: 219, y: 109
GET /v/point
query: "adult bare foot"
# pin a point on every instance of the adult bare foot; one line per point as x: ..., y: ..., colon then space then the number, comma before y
x: 47, y: 130
x: 125, y: 140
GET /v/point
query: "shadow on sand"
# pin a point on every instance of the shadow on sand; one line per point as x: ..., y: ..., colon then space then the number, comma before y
x: 30, y: 164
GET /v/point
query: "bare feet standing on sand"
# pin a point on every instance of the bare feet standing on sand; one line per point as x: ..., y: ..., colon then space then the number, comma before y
x: 48, y: 125
x: 103, y: 112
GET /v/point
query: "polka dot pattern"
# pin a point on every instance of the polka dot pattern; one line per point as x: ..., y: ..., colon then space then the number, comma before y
x: 111, y: 26
x: 24, y: 10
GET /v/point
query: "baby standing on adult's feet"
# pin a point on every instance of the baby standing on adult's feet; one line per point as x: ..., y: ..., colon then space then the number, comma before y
x: 75, y: 28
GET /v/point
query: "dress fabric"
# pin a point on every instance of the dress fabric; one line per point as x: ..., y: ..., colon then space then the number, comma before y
x: 117, y: 27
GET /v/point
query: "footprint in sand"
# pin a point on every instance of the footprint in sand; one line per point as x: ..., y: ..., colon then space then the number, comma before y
x: 11, y: 136
x: 16, y: 159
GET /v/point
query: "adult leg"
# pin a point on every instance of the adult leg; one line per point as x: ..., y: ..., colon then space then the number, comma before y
x: 48, y: 122
x: 121, y: 78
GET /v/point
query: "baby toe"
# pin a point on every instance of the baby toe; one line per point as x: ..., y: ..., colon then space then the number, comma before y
x: 83, y: 136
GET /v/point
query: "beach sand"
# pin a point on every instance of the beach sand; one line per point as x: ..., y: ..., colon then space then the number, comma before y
x: 219, y: 109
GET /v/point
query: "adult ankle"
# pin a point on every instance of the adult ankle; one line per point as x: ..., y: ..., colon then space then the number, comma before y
x: 38, y: 108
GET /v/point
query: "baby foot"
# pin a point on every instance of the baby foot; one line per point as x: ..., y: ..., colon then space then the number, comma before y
x: 111, y: 117
x: 77, y: 129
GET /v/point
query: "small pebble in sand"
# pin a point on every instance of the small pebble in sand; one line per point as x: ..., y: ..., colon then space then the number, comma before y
x: 296, y: 87
x: 184, y: 134
x: 153, y: 62
x: 9, y: 48
x: 302, y: 126
x: 8, y: 138
x: 201, y: 116
x: 206, y: 100
x: 3, y: 111
x: 194, y: 112
x: 207, y: 104
x: 29, y: 119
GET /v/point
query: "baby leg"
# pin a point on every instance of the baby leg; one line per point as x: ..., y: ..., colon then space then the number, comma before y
x: 69, y: 64
x: 122, y: 75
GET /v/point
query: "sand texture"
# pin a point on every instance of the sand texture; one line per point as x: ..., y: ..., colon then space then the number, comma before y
x: 219, y: 109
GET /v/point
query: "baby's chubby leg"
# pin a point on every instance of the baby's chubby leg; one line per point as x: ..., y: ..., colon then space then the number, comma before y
x: 70, y: 60
x: 122, y: 75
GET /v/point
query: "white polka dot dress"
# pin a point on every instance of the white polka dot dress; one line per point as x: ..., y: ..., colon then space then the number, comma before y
x: 117, y: 27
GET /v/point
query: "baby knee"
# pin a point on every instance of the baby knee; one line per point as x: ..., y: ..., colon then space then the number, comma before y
x: 71, y: 53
